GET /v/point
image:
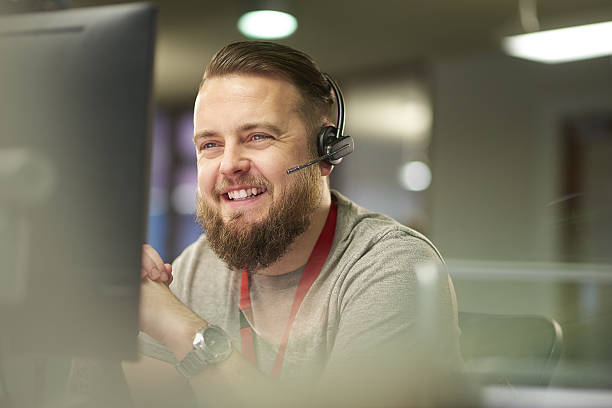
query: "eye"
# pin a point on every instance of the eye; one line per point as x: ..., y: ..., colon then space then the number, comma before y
x: 207, y: 146
x: 259, y: 137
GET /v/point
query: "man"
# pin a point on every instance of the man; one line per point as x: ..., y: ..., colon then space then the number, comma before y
x: 305, y: 286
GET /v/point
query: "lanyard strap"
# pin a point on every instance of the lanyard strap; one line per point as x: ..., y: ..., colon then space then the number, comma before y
x: 311, y: 271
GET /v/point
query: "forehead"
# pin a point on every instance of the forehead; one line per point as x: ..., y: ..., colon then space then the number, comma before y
x: 247, y: 93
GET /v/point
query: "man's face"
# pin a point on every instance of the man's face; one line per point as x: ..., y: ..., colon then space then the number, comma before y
x: 247, y: 133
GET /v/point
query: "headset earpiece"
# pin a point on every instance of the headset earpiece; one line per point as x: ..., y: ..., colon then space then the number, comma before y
x: 330, y: 144
x: 327, y: 136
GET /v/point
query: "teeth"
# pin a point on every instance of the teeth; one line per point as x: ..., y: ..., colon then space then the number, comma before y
x: 242, y: 194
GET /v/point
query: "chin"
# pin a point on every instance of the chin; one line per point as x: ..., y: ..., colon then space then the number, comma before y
x: 244, y: 218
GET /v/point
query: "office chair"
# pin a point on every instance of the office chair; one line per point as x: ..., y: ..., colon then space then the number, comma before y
x: 510, y: 349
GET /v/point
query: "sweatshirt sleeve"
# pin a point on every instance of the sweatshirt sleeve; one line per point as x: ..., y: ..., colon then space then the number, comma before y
x: 389, y: 317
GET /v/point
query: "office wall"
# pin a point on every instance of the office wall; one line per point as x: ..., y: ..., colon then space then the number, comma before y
x: 498, y: 201
x: 497, y: 154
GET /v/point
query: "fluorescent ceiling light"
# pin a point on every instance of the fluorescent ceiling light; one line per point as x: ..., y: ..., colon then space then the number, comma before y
x: 267, y: 24
x: 562, y: 45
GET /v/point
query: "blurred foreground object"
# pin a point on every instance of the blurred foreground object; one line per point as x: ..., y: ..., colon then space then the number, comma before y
x: 75, y: 87
x: 75, y: 112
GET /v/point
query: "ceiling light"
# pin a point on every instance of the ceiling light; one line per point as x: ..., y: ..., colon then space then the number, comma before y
x: 562, y: 45
x: 267, y: 24
x: 415, y: 176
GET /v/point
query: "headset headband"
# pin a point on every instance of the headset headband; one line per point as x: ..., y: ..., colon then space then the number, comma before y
x: 339, y: 102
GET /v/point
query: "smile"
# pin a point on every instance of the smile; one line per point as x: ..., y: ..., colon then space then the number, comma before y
x: 245, y: 193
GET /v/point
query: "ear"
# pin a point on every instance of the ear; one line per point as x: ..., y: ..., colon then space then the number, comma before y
x: 326, y: 168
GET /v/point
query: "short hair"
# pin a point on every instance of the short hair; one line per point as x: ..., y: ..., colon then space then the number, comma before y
x: 276, y: 60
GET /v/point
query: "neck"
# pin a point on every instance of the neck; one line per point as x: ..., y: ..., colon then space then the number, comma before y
x: 300, y: 250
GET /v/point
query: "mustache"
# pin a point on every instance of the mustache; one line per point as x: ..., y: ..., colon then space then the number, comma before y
x: 246, y: 179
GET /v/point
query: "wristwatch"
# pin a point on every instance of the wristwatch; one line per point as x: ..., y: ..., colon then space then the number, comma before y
x: 211, y: 345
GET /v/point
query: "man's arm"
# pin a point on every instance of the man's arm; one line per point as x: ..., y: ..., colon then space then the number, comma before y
x: 164, y: 317
x: 231, y: 382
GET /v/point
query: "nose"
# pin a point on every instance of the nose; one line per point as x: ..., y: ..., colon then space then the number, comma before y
x: 233, y: 161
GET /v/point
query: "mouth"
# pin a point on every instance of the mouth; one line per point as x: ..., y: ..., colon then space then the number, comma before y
x: 243, y: 194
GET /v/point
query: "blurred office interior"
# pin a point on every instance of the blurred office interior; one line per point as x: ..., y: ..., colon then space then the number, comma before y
x: 518, y: 151
x: 503, y: 162
x: 514, y: 183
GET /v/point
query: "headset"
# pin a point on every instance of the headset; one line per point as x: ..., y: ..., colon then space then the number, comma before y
x: 331, y: 143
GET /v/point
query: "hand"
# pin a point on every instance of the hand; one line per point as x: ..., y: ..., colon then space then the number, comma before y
x: 154, y: 267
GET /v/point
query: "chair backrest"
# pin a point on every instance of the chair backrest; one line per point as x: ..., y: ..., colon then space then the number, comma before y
x: 510, y: 349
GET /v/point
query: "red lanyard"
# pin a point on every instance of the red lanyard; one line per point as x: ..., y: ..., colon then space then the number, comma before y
x: 311, y: 271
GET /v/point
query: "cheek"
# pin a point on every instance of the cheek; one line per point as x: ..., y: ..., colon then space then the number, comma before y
x: 274, y: 170
x: 206, y: 179
x: 275, y: 166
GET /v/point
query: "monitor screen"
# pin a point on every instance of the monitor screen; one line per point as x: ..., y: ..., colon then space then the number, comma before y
x: 75, y: 119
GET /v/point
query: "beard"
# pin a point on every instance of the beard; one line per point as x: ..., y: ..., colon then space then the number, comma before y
x: 264, y: 242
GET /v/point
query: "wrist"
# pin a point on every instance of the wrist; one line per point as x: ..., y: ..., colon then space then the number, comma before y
x: 180, y: 330
x: 211, y: 345
x: 165, y: 318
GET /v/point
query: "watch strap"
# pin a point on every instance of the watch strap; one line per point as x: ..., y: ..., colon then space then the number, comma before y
x: 193, y: 363
x: 211, y: 345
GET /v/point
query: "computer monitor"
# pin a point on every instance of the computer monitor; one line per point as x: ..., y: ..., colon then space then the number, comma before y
x: 75, y: 121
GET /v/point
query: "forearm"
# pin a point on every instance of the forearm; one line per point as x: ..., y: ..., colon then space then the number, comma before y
x: 232, y: 382
x: 178, y: 333
x: 227, y: 383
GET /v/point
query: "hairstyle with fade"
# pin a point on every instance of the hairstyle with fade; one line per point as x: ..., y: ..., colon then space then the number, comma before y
x: 276, y: 60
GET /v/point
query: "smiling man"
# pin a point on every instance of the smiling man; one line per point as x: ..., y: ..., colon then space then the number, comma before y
x: 292, y: 286
x: 248, y: 131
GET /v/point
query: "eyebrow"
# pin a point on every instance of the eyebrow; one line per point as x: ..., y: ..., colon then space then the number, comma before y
x: 201, y: 135
x: 243, y: 128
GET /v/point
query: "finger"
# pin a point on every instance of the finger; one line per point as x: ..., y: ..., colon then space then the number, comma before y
x: 169, y: 272
x: 151, y: 258
x: 152, y: 273
x: 152, y: 263
x: 147, y: 260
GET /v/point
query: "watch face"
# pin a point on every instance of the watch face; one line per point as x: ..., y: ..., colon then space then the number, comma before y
x: 210, y: 346
x: 216, y: 342
x: 214, y: 339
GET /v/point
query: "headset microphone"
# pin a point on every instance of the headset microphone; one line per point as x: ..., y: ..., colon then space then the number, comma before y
x: 331, y: 142
x: 339, y: 149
